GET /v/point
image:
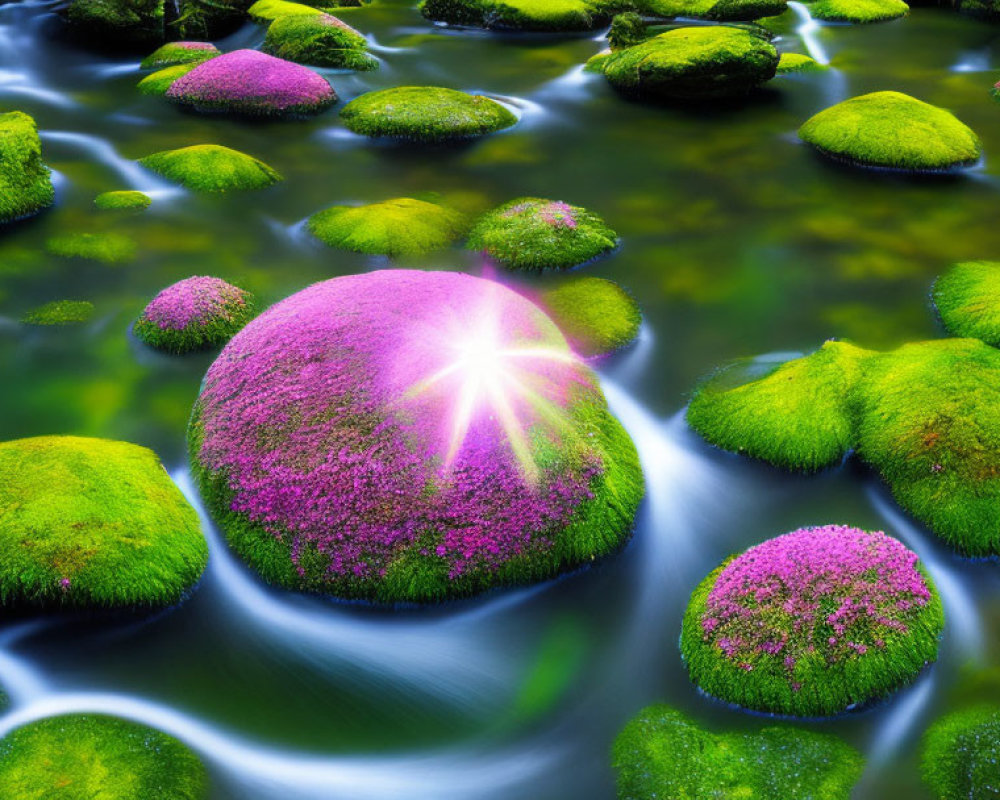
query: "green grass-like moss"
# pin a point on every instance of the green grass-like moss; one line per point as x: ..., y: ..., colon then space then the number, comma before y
x: 118, y: 23
x: 661, y: 755
x: 92, y: 523
x: 174, y: 53
x: 693, y: 62
x: 858, y: 11
x: 960, y: 754
x: 266, y: 11
x: 524, y: 15
x: 108, y: 248
x: 25, y: 181
x: 796, y: 62
x: 322, y: 41
x: 425, y: 113
x: 92, y: 757
x: 211, y: 168
x: 596, y: 315
x: 156, y: 84
x: 532, y: 233
x: 60, y: 312
x: 893, y: 131
x: 718, y: 10
x: 399, y: 227
x: 126, y: 200
x: 967, y: 298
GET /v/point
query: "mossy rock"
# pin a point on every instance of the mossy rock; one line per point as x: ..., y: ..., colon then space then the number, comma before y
x: 91, y: 523
x: 80, y: 756
x: 796, y: 62
x: 126, y: 200
x: 960, y: 753
x: 211, y: 168
x: 627, y: 29
x: 524, y: 15
x: 812, y: 623
x: 425, y: 113
x: 174, y: 53
x: 597, y: 316
x: 60, y: 312
x: 967, y: 298
x: 532, y: 233
x: 893, y: 131
x: 157, y: 83
x: 399, y: 227
x: 988, y: 10
x: 118, y: 24
x: 662, y: 754
x: 718, y: 10
x: 858, y: 11
x: 108, y: 248
x: 321, y: 40
x: 693, y: 62
x: 267, y: 11
x: 205, y: 19
x: 25, y: 181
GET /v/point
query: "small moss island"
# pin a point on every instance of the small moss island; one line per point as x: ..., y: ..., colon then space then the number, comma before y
x: 716, y: 10
x: 193, y: 314
x: 532, y: 233
x: 157, y: 83
x: 425, y: 114
x: 174, y: 53
x: 25, y: 181
x: 893, y: 131
x: 858, y: 12
x: 78, y: 756
x: 597, y: 316
x: 523, y: 15
x: 661, y: 755
x: 123, y: 200
x: 321, y: 40
x: 60, y: 312
x: 960, y: 754
x: 437, y: 465
x: 108, y: 248
x: 92, y: 523
x: 796, y: 62
x: 398, y: 227
x: 211, y: 168
x: 812, y: 623
x: 967, y: 299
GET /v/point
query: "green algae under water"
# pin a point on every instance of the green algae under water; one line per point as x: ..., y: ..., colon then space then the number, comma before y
x: 737, y: 240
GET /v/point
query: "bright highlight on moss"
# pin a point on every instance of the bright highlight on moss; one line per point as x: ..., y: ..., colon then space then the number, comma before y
x: 156, y: 84
x: 858, y: 11
x: 25, y: 181
x: 265, y: 11
x: 597, y: 316
x: 212, y: 168
x: 60, y: 312
x: 108, y: 248
x: 967, y: 298
x: 960, y: 755
x: 123, y: 201
x: 796, y: 62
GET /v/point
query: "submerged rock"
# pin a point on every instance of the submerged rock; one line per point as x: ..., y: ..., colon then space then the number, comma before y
x: 597, y: 316
x: 60, y: 312
x: 967, y: 298
x: 92, y: 523
x: 960, y: 754
x: 126, y: 200
x: 892, y: 131
x: 25, y: 181
x: 95, y: 756
x: 174, y: 53
x: 662, y: 754
x: 322, y: 40
x: 858, y: 11
x: 796, y: 62
x: 812, y: 623
x: 212, y: 168
x: 524, y: 15
x: 425, y: 113
x: 447, y: 441
x: 109, y: 248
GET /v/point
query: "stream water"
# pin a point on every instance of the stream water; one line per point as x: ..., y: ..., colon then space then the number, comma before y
x: 737, y: 241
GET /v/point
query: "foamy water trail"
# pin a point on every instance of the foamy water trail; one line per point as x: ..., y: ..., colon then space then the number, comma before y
x: 134, y: 176
x: 808, y: 31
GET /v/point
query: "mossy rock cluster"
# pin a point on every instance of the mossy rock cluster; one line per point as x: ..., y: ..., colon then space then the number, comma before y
x: 967, y: 299
x: 142, y: 24
x: 92, y: 523
x: 890, y: 130
x: 597, y: 316
x: 108, y: 248
x: 60, y: 312
x: 858, y: 11
x: 524, y: 15
x: 174, y: 53
x: 123, y: 200
x: 25, y: 181
x: 79, y: 756
x: 320, y: 40
x: 661, y: 754
x: 717, y: 10
x: 961, y: 753
x: 211, y: 168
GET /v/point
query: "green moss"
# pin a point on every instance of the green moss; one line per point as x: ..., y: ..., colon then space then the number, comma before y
x: 156, y: 85
x: 25, y: 181
x: 893, y: 131
x: 661, y: 754
x: 718, y: 10
x: 693, y: 62
x: 858, y: 11
x: 967, y: 298
x: 524, y: 15
x: 425, y: 113
x: 207, y: 19
x: 211, y: 168
x: 91, y: 523
x: 531, y: 233
x: 266, y: 11
x: 174, y: 53
x: 122, y: 201
x: 399, y: 227
x: 321, y: 40
x: 960, y: 755
x: 596, y: 315
x: 60, y: 312
x: 109, y: 248
x: 796, y: 62
x: 118, y: 23
x: 80, y: 756
x: 627, y: 29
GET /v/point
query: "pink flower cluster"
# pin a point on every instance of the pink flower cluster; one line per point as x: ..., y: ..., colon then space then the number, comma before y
x: 557, y: 214
x: 194, y: 301
x: 251, y: 82
x: 831, y: 592
x: 208, y: 46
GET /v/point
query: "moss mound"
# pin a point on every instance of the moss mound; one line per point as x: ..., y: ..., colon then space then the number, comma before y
x: 157, y: 83
x: 796, y: 62
x: 123, y: 201
x: 967, y: 298
x: 524, y: 15
x: 109, y: 248
x: 320, y: 40
x: 596, y: 315
x: 718, y: 10
x: 193, y: 314
x: 88, y: 756
x: 399, y: 227
x: 174, y: 53
x: 812, y: 623
x: 265, y: 11
x: 662, y: 754
x: 692, y: 62
x: 858, y: 11
x: 211, y: 168
x: 960, y: 755
x: 91, y: 523
x: 25, y: 181
x: 893, y: 131
x: 425, y: 113
x: 60, y: 312
x: 531, y: 233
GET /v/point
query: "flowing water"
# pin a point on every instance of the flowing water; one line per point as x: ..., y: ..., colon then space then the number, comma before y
x: 737, y: 241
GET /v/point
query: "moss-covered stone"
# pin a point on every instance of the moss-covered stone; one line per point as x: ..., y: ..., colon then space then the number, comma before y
x: 157, y: 84
x: 25, y: 181
x: 60, y: 312
x: 174, y: 53
x: 967, y: 298
x: 627, y: 29
x: 892, y: 131
x: 960, y: 754
x: 531, y: 233
x: 425, y: 113
x: 661, y: 754
x: 266, y: 11
x: 858, y: 11
x: 597, y: 316
x: 109, y: 248
x: 79, y: 756
x: 796, y: 62
x: 126, y: 200
x: 692, y: 62
x: 204, y: 19
x: 91, y: 523
x: 524, y: 15
x: 211, y: 168
x: 118, y: 23
x: 718, y: 10
x: 320, y: 40
x: 399, y: 227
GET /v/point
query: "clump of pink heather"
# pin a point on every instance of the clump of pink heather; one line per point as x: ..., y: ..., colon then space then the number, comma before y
x: 833, y: 590
x: 557, y: 214
x: 194, y: 46
x: 194, y: 301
